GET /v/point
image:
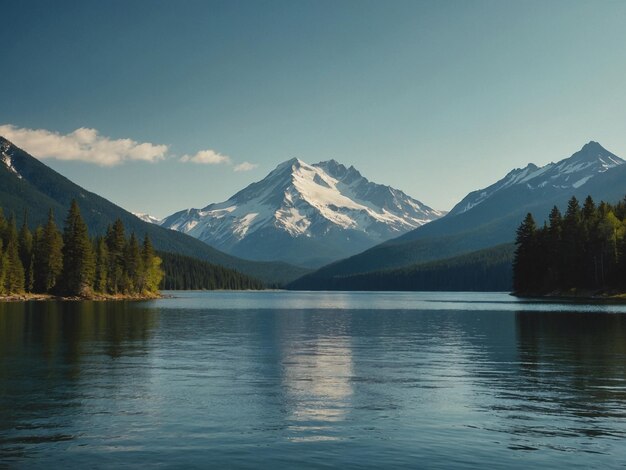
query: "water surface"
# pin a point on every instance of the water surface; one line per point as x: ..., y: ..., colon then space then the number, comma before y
x: 288, y: 379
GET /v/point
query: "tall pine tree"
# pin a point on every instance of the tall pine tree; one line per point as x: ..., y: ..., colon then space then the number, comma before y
x: 78, y: 257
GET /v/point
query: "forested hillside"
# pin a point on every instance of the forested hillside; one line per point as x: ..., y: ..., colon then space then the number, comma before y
x: 484, y: 270
x: 185, y: 273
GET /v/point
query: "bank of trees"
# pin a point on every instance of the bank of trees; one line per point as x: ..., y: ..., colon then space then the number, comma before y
x: 185, y: 273
x: 585, y: 248
x: 70, y: 263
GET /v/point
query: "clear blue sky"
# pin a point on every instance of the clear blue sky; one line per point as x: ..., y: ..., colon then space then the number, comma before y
x: 436, y: 98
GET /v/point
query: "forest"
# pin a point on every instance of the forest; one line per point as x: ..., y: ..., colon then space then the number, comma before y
x: 483, y: 270
x: 70, y: 263
x: 581, y: 250
x: 185, y: 273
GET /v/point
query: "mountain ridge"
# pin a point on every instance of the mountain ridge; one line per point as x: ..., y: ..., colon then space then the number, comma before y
x: 305, y: 213
x: 494, y: 219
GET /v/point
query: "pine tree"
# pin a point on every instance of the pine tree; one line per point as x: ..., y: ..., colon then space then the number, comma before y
x: 573, y: 245
x: 523, y: 262
x: 553, y: 246
x: 14, y: 281
x: 48, y: 256
x: 132, y: 264
x: 102, y: 265
x: 25, y: 241
x: 116, y: 242
x: 78, y: 257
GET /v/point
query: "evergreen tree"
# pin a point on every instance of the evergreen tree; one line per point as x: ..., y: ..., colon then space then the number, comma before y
x: 48, y: 256
x: 523, y: 262
x: 573, y: 245
x: 25, y: 241
x: 78, y: 257
x: 133, y: 264
x: 116, y: 242
x: 14, y: 281
x: 553, y: 246
x: 102, y: 265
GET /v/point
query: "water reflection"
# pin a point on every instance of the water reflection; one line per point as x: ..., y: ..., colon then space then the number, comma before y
x: 567, y: 387
x: 317, y: 372
x: 121, y: 384
x: 53, y: 357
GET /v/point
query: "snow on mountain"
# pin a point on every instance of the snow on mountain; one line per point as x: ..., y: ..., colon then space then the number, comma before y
x: 147, y: 218
x: 567, y: 174
x: 5, y: 145
x: 324, y: 203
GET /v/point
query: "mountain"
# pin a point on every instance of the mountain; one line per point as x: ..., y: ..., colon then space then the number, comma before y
x: 26, y: 184
x: 568, y: 174
x: 147, y: 218
x: 490, y: 216
x: 305, y: 214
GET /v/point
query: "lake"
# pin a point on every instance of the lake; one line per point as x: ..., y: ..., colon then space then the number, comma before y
x: 309, y: 380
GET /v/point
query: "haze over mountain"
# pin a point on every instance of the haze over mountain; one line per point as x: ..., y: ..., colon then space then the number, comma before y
x: 305, y: 214
x: 28, y: 185
x: 490, y: 216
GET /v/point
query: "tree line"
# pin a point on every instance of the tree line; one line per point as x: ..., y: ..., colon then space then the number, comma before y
x: 583, y: 249
x: 185, y: 273
x: 70, y: 263
x: 483, y: 270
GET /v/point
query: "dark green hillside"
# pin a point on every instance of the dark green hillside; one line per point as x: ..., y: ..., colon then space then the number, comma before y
x: 484, y: 270
x: 30, y: 185
x: 185, y: 273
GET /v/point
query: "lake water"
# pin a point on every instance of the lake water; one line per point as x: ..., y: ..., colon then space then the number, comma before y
x: 298, y: 380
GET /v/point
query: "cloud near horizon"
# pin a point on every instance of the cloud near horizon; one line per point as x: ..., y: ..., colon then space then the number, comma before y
x: 207, y: 157
x: 88, y: 145
x: 83, y: 144
x: 245, y: 166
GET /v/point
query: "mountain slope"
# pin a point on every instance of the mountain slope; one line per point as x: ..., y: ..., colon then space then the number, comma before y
x: 489, y: 217
x: 483, y: 270
x: 306, y: 214
x: 28, y: 184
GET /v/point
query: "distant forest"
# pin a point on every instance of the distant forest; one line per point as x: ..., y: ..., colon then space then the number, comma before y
x: 70, y: 263
x: 483, y: 270
x: 185, y: 273
x: 583, y: 249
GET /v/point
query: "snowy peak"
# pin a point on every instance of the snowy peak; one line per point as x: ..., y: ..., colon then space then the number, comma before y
x: 300, y: 200
x: 573, y: 172
x: 147, y: 218
x: 6, y: 157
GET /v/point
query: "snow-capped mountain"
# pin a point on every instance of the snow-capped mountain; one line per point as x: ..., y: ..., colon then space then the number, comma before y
x: 305, y: 214
x: 147, y: 218
x: 489, y: 217
x: 567, y: 174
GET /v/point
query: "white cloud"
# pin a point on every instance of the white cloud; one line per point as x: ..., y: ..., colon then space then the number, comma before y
x: 206, y: 157
x: 83, y: 144
x: 245, y: 166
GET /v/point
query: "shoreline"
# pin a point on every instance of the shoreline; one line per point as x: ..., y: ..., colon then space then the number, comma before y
x: 26, y: 297
x: 574, y: 295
